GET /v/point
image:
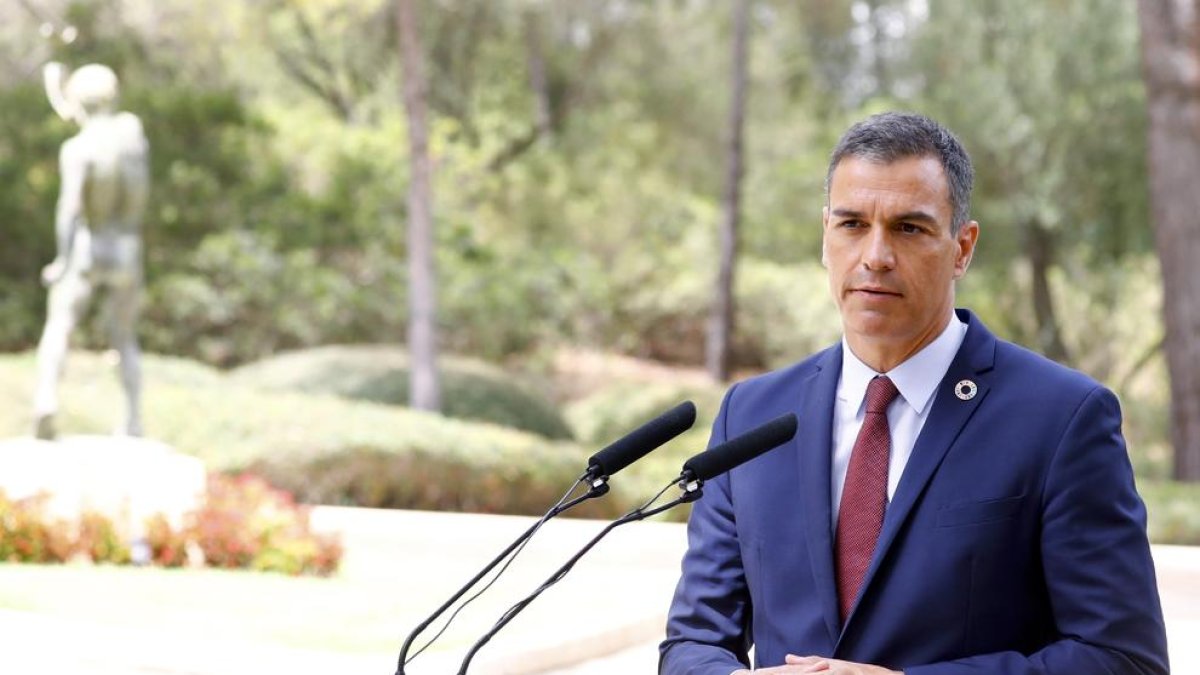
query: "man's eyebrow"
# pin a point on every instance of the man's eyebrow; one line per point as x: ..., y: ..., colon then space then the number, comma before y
x: 910, y: 216
x: 847, y: 213
x: 916, y: 215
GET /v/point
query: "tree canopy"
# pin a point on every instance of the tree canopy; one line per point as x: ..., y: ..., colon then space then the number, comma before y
x: 578, y: 160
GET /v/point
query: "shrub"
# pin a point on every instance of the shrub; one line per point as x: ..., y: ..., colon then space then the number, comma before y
x: 470, y: 389
x: 244, y: 523
x: 322, y: 447
x: 168, y: 546
x: 100, y: 540
x: 247, y: 523
x: 237, y: 296
x: 615, y: 410
x: 432, y: 481
x: 784, y: 314
x: 28, y: 534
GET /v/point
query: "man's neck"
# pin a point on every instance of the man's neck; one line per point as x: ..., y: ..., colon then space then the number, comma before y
x: 884, y: 355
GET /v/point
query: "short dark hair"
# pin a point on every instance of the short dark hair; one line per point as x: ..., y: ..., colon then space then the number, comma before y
x: 892, y: 136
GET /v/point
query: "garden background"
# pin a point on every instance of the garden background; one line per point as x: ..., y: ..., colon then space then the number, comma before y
x: 580, y: 157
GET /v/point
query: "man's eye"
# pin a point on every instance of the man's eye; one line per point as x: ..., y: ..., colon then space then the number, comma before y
x: 851, y: 224
x: 909, y: 228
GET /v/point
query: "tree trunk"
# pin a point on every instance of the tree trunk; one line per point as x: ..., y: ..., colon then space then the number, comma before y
x: 1039, y: 249
x: 721, y: 321
x: 1171, y: 68
x: 425, y: 388
x: 536, y: 62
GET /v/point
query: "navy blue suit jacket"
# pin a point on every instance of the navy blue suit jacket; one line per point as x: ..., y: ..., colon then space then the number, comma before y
x: 1015, y: 541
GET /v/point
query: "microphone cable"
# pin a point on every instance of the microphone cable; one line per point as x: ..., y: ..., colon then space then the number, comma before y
x: 638, y: 513
x: 582, y: 480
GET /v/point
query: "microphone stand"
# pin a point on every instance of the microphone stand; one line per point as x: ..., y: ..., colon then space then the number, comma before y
x: 599, y: 488
x: 691, y: 492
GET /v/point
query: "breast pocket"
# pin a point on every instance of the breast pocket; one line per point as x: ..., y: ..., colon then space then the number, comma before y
x: 972, y: 513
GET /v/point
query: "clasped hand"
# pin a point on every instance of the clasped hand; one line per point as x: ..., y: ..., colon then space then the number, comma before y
x: 818, y: 664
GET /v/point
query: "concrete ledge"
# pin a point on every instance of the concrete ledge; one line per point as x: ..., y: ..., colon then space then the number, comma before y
x: 127, y: 479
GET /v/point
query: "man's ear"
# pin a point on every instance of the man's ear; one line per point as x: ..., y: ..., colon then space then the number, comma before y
x: 966, y: 239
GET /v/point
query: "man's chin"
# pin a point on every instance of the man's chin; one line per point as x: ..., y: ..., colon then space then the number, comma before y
x: 874, y: 326
x: 871, y: 321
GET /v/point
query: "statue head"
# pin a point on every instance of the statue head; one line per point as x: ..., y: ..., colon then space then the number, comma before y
x: 88, y: 91
x: 93, y: 88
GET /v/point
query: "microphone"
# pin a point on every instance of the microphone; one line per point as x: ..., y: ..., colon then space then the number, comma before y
x: 717, y: 460
x: 618, y: 455
x: 637, y: 443
x: 696, y: 470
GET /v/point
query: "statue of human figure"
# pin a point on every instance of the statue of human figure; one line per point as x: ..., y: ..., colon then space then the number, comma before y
x: 105, y: 181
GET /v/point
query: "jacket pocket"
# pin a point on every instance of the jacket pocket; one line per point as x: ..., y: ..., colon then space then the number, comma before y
x: 972, y: 513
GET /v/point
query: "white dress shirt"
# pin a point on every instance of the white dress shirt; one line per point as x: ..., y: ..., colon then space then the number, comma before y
x: 916, y: 379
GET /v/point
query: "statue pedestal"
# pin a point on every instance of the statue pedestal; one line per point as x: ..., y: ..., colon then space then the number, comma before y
x: 126, y: 479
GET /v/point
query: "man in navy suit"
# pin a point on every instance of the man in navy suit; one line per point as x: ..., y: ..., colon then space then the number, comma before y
x: 951, y: 504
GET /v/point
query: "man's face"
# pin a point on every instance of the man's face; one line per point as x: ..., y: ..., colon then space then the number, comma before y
x: 891, y: 258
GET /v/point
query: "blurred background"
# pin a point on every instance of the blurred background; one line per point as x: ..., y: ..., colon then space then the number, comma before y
x: 580, y: 156
x: 622, y: 211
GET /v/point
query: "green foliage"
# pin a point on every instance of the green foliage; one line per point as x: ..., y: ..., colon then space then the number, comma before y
x: 278, y: 164
x: 472, y: 390
x: 301, y: 442
x: 1174, y: 512
x: 613, y: 411
x: 788, y: 311
x: 240, y: 297
x: 279, y: 169
x: 426, y: 479
x: 1056, y: 164
x: 29, y: 140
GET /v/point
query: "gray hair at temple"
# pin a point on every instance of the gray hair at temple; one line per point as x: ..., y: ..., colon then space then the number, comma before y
x: 891, y: 136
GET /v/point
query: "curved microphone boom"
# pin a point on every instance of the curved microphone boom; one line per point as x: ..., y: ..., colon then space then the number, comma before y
x: 637, y: 443
x: 698, y: 469
x: 616, y: 456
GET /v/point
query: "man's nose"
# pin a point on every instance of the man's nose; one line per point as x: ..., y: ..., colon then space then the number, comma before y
x: 879, y: 254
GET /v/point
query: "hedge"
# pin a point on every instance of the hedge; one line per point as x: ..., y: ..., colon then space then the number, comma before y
x: 471, y: 389
x: 323, y: 448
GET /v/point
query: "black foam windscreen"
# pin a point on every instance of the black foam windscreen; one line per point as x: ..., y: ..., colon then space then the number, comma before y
x: 639, y: 442
x: 716, y: 461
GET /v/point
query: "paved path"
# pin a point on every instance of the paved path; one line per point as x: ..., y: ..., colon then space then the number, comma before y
x: 605, y: 618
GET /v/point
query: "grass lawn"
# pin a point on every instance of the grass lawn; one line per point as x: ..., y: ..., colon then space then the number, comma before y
x: 337, y: 614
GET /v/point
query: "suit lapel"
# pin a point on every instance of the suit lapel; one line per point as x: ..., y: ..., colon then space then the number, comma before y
x: 814, y: 448
x: 946, y: 420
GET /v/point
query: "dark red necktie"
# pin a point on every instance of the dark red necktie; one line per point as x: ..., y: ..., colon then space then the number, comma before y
x: 864, y: 496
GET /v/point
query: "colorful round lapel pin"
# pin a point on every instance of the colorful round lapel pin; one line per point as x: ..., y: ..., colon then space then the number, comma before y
x: 965, y: 390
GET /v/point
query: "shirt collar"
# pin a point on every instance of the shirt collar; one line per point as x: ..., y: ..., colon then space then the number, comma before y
x: 916, y: 379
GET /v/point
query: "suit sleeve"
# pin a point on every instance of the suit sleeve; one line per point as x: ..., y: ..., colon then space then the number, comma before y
x: 707, y: 628
x: 1095, y: 559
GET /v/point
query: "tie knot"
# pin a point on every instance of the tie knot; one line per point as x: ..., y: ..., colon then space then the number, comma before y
x: 880, y: 394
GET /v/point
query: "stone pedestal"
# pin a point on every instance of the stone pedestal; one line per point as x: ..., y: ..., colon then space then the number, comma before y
x: 126, y: 479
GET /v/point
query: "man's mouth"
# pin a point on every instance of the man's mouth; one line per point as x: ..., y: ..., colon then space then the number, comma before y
x: 875, y: 292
